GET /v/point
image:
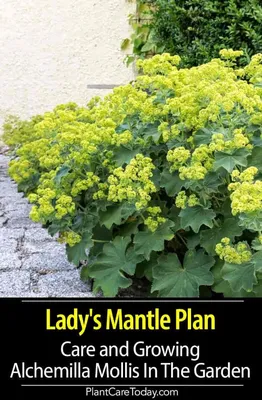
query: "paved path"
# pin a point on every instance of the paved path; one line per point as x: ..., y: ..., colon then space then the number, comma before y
x: 32, y: 264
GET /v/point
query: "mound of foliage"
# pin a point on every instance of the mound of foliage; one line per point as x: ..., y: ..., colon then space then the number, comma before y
x: 199, y: 29
x: 160, y: 179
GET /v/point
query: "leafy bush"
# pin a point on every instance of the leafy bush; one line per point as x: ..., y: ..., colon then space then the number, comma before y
x: 142, y: 39
x: 198, y: 29
x: 160, y: 179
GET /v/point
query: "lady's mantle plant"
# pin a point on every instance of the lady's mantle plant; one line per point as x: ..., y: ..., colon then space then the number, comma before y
x: 161, y: 178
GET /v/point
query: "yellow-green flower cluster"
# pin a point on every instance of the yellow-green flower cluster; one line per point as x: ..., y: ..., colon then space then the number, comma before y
x: 101, y: 192
x: 45, y: 208
x: 246, y: 196
x: 238, y: 254
x: 194, y: 172
x: 49, y: 205
x: 80, y: 185
x: 182, y: 200
x: 254, y: 69
x: 192, y: 200
x: 132, y: 183
x: 64, y: 205
x: 178, y: 157
x: 247, y: 175
x: 238, y: 140
x: 163, y: 64
x: 154, y: 219
x: 168, y: 132
x: 25, y: 170
x: 193, y: 166
x: 71, y: 238
x: 230, y: 54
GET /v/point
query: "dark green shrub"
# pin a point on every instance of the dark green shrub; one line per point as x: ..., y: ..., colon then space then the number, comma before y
x: 198, y: 29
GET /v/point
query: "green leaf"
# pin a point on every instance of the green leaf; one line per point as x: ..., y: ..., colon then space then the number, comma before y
x: 145, y: 269
x: 240, y: 276
x: 163, y: 95
x: 255, y: 159
x: 129, y: 228
x: 222, y: 286
x: 148, y: 46
x: 114, y: 214
x: 212, y: 181
x: 84, y: 274
x: 63, y: 171
x: 147, y: 241
x: 203, y: 136
x: 210, y: 237
x: 54, y: 228
x: 229, y: 161
x: 129, y: 60
x: 173, y: 280
x: 173, y: 215
x: 256, y: 244
x: 251, y: 221
x: 193, y: 241
x: 125, y: 44
x: 124, y: 126
x: 84, y: 221
x: 124, y: 155
x: 156, y: 178
x: 257, y: 259
x: 109, y: 267
x: 101, y: 235
x: 219, y: 285
x: 226, y: 209
x: 195, y: 217
x: 151, y: 132
x: 78, y: 252
x: 128, y: 209
x: 256, y: 140
x: 258, y: 289
x: 171, y: 182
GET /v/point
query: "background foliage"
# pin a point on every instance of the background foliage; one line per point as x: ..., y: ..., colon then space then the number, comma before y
x: 196, y: 30
x: 143, y: 41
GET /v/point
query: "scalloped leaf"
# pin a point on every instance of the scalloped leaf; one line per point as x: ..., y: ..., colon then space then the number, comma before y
x: 171, y: 279
x: 147, y: 241
x: 222, y: 286
x: 255, y: 159
x: 171, y: 182
x: 230, y: 161
x: 195, y: 217
x: 115, y: 213
x: 110, y: 266
x: 240, y: 276
x: 210, y: 237
x: 123, y: 155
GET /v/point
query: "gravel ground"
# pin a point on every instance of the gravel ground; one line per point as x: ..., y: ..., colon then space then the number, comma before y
x: 32, y: 264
